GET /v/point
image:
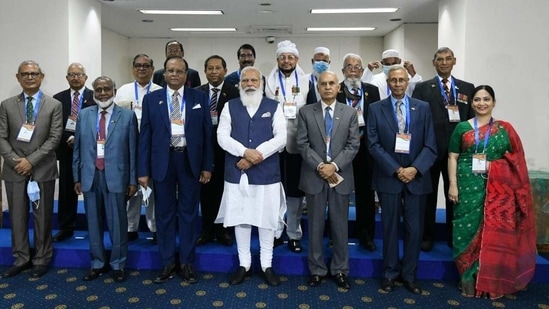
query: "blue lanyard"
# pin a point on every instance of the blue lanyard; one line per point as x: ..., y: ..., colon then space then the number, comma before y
x: 137, y: 93
x: 407, y: 104
x: 282, y: 86
x: 486, y: 136
x: 169, y: 99
x: 441, y: 87
x: 37, y: 105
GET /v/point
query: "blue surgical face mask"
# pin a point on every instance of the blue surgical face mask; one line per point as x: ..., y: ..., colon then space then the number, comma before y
x: 386, y: 69
x: 320, y: 66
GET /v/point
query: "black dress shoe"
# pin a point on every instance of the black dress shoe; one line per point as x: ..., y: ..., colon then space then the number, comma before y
x: 165, y: 274
x: 187, y: 273
x: 240, y: 274
x: 426, y: 245
x: 132, y: 236
x: 15, y: 270
x: 270, y: 277
x: 118, y: 275
x: 295, y: 245
x: 388, y: 285
x: 62, y: 235
x: 278, y: 242
x: 342, y: 281
x: 369, y: 245
x: 315, y: 280
x: 225, y: 239
x: 94, y: 273
x: 204, y: 238
x: 412, y: 286
x: 38, y: 271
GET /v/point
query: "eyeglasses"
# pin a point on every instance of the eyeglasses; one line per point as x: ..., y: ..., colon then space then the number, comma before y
x: 398, y: 80
x: 177, y: 72
x: 447, y: 59
x: 244, y: 56
x: 77, y: 75
x: 289, y: 58
x: 31, y: 74
x: 142, y: 65
x: 353, y: 67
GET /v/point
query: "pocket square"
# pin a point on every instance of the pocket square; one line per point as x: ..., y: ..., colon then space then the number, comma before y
x: 266, y: 115
x: 161, y: 102
x: 197, y: 106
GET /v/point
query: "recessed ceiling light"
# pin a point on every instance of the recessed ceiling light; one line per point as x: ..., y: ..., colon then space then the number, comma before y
x: 341, y: 28
x: 353, y: 11
x: 181, y: 12
x: 204, y: 29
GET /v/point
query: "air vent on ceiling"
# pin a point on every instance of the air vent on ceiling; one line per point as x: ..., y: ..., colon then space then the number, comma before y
x: 270, y: 29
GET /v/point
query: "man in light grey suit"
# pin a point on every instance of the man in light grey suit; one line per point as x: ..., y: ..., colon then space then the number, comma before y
x: 328, y: 140
x: 31, y: 125
x: 104, y: 168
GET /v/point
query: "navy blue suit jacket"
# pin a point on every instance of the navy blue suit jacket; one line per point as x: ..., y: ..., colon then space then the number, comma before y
x: 382, y: 129
x: 155, y: 134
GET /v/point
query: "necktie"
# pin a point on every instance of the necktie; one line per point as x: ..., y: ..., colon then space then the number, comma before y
x: 213, y: 100
x: 75, y: 103
x: 100, y: 162
x: 446, y: 90
x: 30, y: 110
x: 328, y: 124
x: 175, y: 114
x: 355, y: 101
x: 400, y: 117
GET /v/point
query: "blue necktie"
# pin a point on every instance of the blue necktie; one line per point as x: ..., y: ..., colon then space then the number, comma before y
x: 328, y: 125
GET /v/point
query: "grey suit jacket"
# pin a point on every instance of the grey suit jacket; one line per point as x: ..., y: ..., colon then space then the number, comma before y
x: 120, y: 149
x: 312, y: 146
x: 40, y: 151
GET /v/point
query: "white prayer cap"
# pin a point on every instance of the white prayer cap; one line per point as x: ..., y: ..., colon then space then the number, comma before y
x: 322, y: 50
x: 390, y: 53
x: 286, y: 47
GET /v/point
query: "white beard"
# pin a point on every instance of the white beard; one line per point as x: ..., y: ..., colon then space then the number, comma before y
x: 250, y: 98
x: 104, y: 104
x: 353, y: 83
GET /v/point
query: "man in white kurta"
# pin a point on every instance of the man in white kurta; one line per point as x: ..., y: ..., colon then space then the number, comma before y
x: 131, y: 96
x: 252, y: 131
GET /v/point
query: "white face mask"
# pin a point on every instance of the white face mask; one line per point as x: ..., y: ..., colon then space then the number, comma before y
x: 104, y: 104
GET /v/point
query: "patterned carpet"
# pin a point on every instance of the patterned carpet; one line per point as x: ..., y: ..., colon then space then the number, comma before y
x: 64, y: 288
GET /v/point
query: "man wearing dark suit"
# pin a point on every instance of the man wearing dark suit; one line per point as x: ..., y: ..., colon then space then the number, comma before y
x: 447, y: 97
x: 175, y: 149
x: 77, y: 97
x: 31, y: 125
x: 175, y: 49
x: 328, y: 140
x: 402, y: 142
x: 360, y: 95
x: 104, y: 169
x: 219, y: 93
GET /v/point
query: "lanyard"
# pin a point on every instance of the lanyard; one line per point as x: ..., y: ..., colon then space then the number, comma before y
x: 37, y: 105
x: 169, y: 99
x: 283, y: 86
x: 407, y: 105
x: 441, y: 87
x: 486, y: 136
x: 137, y: 92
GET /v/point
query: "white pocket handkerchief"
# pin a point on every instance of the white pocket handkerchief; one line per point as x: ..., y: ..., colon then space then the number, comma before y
x: 197, y: 106
x: 266, y: 115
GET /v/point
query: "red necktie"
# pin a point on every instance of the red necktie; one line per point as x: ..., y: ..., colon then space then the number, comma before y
x: 100, y: 162
x: 446, y: 90
x: 75, y: 103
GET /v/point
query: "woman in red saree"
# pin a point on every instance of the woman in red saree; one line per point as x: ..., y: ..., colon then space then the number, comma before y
x: 494, y: 233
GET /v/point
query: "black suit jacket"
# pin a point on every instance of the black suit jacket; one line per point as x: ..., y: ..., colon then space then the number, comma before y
x: 193, y: 78
x: 430, y: 92
x: 228, y: 92
x: 64, y: 152
x: 371, y: 95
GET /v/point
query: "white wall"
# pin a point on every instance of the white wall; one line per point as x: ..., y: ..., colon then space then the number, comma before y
x: 117, y: 60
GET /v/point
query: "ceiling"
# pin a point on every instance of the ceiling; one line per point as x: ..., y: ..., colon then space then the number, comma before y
x: 289, y: 18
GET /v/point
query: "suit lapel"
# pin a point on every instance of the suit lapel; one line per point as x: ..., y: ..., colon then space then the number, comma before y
x: 20, y: 102
x: 337, y: 117
x: 163, y: 107
x: 188, y: 107
x: 94, y: 121
x: 389, y: 114
x: 115, y: 117
x: 319, y: 117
